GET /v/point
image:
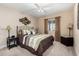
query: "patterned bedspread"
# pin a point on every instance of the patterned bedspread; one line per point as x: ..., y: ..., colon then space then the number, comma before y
x: 34, y: 40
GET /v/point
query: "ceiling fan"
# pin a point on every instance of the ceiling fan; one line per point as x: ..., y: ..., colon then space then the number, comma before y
x: 40, y: 9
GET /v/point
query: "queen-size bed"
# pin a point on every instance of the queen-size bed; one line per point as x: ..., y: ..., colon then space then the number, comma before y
x: 35, y: 43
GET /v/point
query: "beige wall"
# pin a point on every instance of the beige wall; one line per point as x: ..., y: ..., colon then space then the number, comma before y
x: 66, y: 18
x: 76, y: 31
x: 11, y: 17
x: 41, y: 26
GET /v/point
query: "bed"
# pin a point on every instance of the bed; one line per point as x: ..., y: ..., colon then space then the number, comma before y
x: 38, y: 43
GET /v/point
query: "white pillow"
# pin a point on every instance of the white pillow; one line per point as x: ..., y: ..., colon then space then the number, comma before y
x: 24, y: 31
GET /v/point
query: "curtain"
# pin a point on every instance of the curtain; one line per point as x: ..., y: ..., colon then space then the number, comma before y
x: 57, y: 31
x: 46, y: 26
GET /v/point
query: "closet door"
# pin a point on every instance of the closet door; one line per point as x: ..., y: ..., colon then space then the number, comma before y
x: 57, y: 31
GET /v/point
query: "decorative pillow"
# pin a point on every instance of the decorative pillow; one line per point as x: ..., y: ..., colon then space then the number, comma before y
x: 26, y: 32
x: 33, y: 32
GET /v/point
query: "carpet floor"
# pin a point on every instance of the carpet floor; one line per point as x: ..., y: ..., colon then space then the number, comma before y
x: 57, y: 49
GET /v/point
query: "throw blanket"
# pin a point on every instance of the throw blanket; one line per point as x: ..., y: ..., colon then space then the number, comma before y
x: 34, y: 40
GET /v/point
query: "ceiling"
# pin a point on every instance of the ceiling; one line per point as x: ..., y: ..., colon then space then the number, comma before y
x: 39, y: 9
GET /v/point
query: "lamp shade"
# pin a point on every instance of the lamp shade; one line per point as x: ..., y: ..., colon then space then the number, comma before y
x: 8, y: 27
x: 70, y: 26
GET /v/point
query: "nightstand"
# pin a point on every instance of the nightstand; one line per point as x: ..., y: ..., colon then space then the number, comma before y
x: 68, y: 41
x: 11, y: 42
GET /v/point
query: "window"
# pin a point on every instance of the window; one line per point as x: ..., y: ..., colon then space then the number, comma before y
x: 51, y: 24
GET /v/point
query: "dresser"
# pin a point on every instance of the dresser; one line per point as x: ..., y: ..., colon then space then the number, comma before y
x: 67, y: 41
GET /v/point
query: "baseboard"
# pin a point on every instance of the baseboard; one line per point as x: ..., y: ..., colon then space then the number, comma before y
x: 3, y: 46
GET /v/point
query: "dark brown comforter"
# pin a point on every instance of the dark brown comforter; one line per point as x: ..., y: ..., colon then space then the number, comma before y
x: 43, y: 46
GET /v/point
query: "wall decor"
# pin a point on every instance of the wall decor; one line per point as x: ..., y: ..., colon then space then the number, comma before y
x: 25, y: 21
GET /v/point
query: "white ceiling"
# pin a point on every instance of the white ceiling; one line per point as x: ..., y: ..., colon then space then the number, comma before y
x: 34, y: 8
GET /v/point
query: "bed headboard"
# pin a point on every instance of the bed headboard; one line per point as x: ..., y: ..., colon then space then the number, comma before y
x: 19, y: 29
